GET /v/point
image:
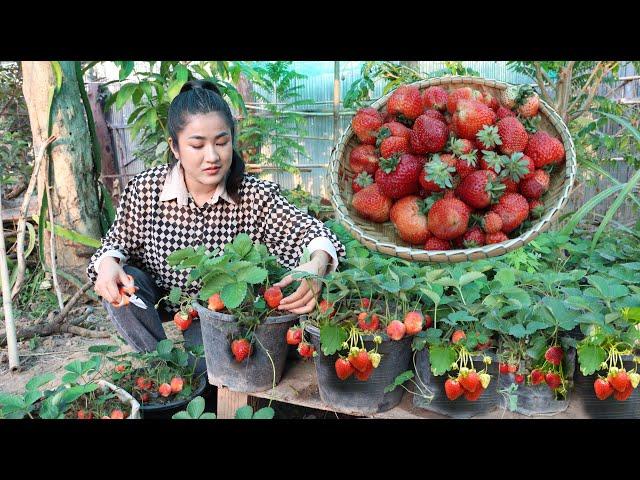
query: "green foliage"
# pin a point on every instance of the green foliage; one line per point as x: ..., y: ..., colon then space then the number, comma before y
x: 277, y: 124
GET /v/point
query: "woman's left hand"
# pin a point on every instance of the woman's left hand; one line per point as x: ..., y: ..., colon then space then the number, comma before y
x: 303, y: 300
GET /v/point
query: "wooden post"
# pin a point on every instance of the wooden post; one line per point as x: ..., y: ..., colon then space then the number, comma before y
x: 12, y: 344
x: 229, y: 402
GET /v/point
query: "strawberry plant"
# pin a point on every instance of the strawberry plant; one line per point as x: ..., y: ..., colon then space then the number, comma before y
x: 195, y: 411
x: 236, y: 281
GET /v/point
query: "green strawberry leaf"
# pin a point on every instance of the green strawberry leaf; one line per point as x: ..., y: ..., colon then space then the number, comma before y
x: 506, y: 277
x: 174, y: 295
x: 331, y: 338
x: 399, y: 380
x: 39, y: 380
x: 196, y: 407
x: 208, y: 416
x: 176, y: 257
x: 441, y: 359
x: 265, y: 413
x: 242, y: 244
x: 470, y: 277
x: 244, y: 413
x: 590, y: 357
x: 252, y: 275
x: 181, y: 416
x: 233, y: 294
x: 164, y: 347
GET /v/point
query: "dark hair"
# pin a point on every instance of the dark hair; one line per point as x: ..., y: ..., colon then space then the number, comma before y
x: 202, y: 97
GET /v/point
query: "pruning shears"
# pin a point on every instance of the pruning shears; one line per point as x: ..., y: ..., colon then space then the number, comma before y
x: 128, y: 295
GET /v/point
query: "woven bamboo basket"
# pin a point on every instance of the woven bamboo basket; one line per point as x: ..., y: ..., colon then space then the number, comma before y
x: 383, y: 238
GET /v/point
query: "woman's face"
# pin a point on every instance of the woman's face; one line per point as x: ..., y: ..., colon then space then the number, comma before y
x: 205, y: 149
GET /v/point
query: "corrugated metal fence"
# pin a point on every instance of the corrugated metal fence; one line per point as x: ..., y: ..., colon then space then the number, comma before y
x: 318, y: 140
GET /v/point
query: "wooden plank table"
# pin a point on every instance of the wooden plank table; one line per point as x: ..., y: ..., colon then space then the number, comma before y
x: 299, y: 386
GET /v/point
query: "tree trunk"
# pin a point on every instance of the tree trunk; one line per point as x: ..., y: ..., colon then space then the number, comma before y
x: 74, y: 195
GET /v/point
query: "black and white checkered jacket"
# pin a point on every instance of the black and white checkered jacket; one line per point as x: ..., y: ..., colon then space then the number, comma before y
x: 150, y: 224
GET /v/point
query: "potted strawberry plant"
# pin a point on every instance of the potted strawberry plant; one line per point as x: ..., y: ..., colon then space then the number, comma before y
x: 361, y: 333
x: 162, y: 380
x: 609, y: 366
x: 242, y: 331
x: 81, y: 394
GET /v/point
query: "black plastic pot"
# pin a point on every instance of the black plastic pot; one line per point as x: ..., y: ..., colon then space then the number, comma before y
x: 254, y: 374
x: 356, y: 397
x: 539, y: 399
x: 609, y: 408
x: 460, y: 407
x: 166, y: 410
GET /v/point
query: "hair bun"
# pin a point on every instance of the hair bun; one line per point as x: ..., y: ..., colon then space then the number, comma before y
x: 204, y: 84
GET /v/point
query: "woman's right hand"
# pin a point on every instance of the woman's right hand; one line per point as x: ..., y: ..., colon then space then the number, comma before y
x: 110, y: 277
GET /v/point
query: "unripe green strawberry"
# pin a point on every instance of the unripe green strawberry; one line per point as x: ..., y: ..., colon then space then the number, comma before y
x: 485, y: 378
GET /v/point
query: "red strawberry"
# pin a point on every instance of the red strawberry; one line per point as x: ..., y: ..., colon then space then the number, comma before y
x: 554, y: 355
x: 324, y: 306
x: 536, y: 208
x: 471, y: 116
x: 503, y: 368
x: 453, y: 389
x: 460, y: 146
x: 509, y: 96
x: 536, y: 377
x: 145, y: 397
x: 530, y: 106
x: 602, y: 388
x: 360, y: 360
x: 365, y: 302
x: 306, y: 350
x: 464, y: 93
x: 215, y: 303
x: 533, y: 188
x: 509, y: 185
x: 428, y: 135
x: 504, y: 113
x: 392, y: 145
x: 513, y: 209
x: 398, y: 177
x: 428, y: 321
x: 273, y: 296
x: 394, y: 129
x: 120, y: 368
x: 457, y: 336
x: 241, y: 349
x: 176, y: 384
x: 623, y: 395
x: 371, y: 204
x: 473, y: 396
x: 368, y: 322
x: 492, y: 161
x: 544, y: 149
x: 491, y: 222
x: 434, y: 243
x: 366, y: 123
x: 619, y: 380
x: 182, y: 320
x: 490, y: 101
x: 470, y: 380
x: 437, y: 173
x: 435, y: 97
x: 363, y: 158
x: 519, y: 378
x: 466, y: 165
x: 513, y: 135
x: 497, y: 237
x: 480, y: 189
x: 294, y: 335
x: 413, y: 322
x: 344, y: 369
x: 553, y: 380
x: 436, y: 115
x: 193, y: 313
x: 474, y: 237
x: 517, y: 167
x: 448, y: 218
x: 117, y: 414
x: 396, y: 330
x: 164, y: 390
x: 406, y: 100
x: 84, y: 415
x: 363, y: 180
x: 143, y: 383
x: 411, y: 224
x: 364, y: 376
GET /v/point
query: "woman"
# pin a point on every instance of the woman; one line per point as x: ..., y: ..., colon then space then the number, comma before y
x: 202, y: 197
